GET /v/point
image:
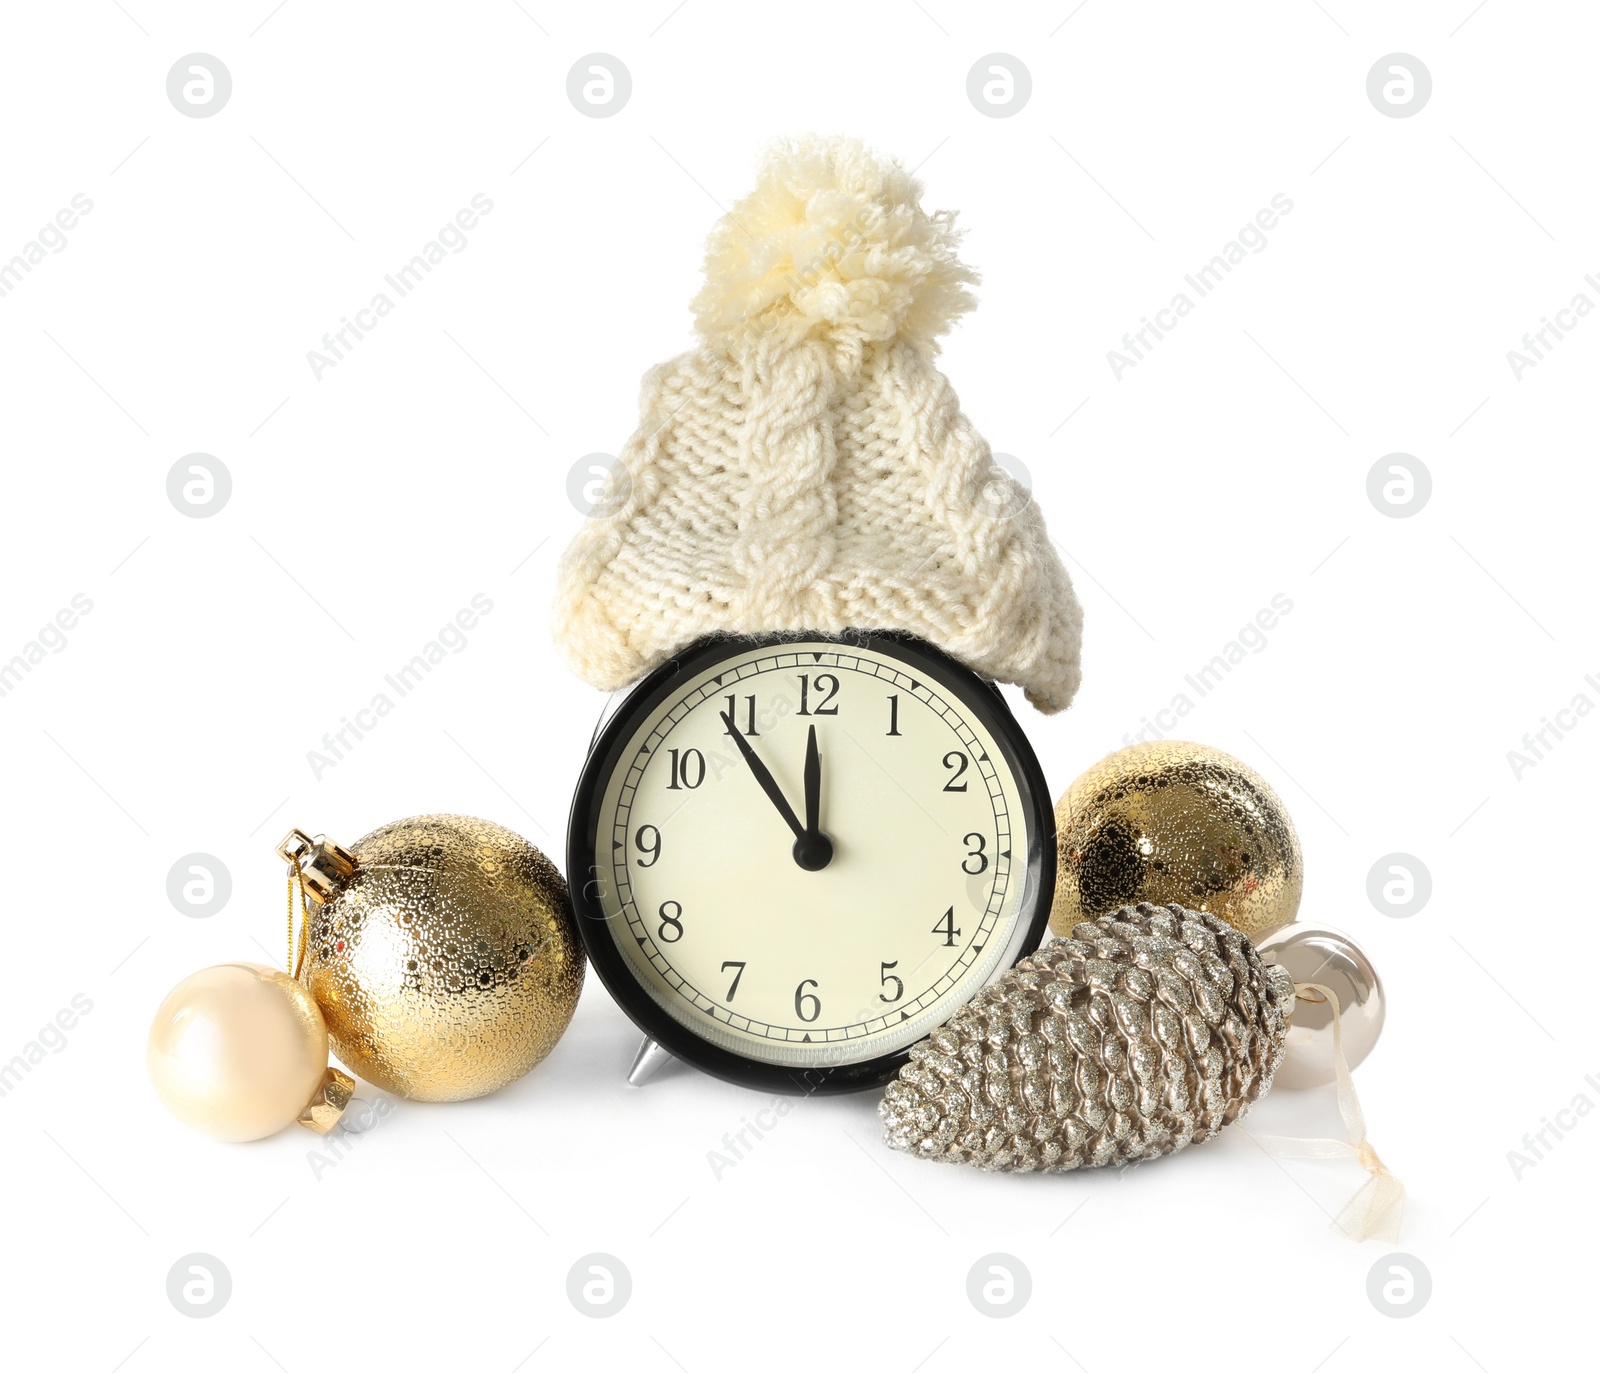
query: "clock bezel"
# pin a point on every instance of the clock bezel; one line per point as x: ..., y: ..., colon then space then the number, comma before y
x: 616, y: 730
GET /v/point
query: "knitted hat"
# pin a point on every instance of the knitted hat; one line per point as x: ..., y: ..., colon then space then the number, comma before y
x: 807, y: 467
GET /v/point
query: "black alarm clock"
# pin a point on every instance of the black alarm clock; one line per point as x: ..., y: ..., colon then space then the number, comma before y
x: 794, y: 855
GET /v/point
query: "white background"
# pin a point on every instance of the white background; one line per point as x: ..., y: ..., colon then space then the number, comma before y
x: 430, y: 465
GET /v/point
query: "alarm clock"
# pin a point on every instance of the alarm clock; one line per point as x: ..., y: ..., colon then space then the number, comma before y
x: 794, y: 855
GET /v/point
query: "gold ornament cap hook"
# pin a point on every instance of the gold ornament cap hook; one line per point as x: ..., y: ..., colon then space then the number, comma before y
x: 323, y: 1111
x: 325, y: 866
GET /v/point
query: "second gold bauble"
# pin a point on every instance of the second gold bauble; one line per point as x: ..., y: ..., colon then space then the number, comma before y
x: 447, y: 964
x: 1175, y: 822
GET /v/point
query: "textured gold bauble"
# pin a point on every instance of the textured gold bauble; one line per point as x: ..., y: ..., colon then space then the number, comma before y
x: 238, y: 1051
x: 1174, y: 822
x: 449, y: 964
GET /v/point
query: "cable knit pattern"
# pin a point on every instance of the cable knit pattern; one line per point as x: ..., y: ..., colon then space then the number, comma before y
x: 808, y: 467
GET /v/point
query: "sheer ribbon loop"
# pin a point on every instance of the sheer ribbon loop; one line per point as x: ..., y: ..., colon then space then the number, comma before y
x: 1374, y: 1211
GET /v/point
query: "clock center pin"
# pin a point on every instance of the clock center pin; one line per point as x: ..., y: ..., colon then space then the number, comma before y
x: 813, y: 852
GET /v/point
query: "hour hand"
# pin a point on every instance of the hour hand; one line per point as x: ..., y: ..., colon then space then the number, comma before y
x: 813, y: 777
x: 813, y: 850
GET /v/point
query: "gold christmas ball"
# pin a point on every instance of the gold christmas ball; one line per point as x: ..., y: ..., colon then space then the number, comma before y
x: 237, y: 1051
x: 448, y: 964
x: 1173, y: 822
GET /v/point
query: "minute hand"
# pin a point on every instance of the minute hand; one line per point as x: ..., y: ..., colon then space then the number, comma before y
x: 768, y: 785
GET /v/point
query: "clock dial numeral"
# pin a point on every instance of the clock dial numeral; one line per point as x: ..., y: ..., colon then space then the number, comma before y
x: 734, y: 985
x: 827, y: 684
x: 672, y: 921
x: 689, y: 770
x: 802, y: 996
x: 885, y: 977
x: 650, y: 845
x: 750, y: 729
x: 958, y: 761
x: 947, y: 927
x: 893, y: 732
x: 974, y: 855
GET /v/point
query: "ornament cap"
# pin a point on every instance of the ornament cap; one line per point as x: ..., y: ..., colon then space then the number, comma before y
x: 326, y: 866
x: 334, y: 1093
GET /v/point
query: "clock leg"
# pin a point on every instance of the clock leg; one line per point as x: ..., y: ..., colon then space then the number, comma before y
x: 647, y: 1062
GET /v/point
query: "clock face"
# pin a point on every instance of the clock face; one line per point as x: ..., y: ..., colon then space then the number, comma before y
x: 805, y: 853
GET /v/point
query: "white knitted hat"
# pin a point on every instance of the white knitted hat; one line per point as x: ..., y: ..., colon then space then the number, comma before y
x: 807, y: 467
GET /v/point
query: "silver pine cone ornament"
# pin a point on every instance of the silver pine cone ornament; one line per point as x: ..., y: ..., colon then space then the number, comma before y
x: 1149, y: 1029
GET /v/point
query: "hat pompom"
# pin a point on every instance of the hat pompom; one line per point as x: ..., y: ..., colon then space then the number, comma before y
x: 833, y: 243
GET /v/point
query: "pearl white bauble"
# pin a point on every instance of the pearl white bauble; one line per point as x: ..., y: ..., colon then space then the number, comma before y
x: 237, y: 1051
